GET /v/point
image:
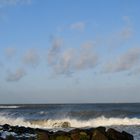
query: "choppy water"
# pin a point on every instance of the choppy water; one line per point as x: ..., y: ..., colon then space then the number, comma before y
x: 67, y: 116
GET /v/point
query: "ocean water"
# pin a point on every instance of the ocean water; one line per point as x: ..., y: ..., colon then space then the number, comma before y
x: 123, y: 117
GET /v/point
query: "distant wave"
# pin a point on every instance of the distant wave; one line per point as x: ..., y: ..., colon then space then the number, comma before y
x: 100, y: 121
x: 9, y: 106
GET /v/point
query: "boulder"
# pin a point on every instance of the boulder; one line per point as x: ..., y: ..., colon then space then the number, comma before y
x: 30, y: 130
x: 42, y: 135
x: 65, y: 125
x: 127, y: 136
x: 101, y: 129
x: 75, y: 134
x: 84, y: 136
x: 6, y: 127
x: 59, y: 137
x: 115, y: 135
x: 10, y: 137
x: 99, y: 135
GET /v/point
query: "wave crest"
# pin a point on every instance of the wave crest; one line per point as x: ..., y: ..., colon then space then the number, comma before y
x: 67, y: 122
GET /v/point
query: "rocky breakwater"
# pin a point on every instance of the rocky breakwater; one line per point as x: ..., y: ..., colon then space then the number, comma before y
x: 8, y: 132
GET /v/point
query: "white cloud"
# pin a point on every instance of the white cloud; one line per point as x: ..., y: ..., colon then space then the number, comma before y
x: 123, y: 35
x: 136, y: 71
x: 79, y: 26
x: 126, y: 33
x: 87, y: 58
x: 67, y: 61
x: 10, y: 52
x: 16, y: 76
x: 124, y: 62
x: 31, y: 58
x: 54, y: 50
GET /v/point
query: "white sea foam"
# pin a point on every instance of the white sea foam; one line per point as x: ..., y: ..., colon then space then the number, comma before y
x: 13, y: 121
x: 100, y: 121
x: 9, y: 106
x: 4, y: 134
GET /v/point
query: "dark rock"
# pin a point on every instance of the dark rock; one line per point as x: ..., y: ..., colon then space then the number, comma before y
x: 75, y: 134
x: 6, y: 127
x: 127, y: 136
x: 14, y: 129
x: 22, y: 130
x: 115, y: 135
x: 101, y: 129
x: 89, y: 131
x: 99, y: 135
x: 65, y: 125
x: 10, y: 137
x: 81, y: 134
x: 30, y: 130
x: 42, y: 135
x: 19, y: 130
x: 84, y: 136
x: 60, y: 137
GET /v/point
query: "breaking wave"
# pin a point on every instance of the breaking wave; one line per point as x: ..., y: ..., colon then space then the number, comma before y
x: 67, y: 122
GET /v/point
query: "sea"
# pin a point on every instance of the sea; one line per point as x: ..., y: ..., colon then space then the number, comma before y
x: 54, y: 117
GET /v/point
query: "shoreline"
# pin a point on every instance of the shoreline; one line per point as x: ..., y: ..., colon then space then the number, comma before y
x: 8, y: 132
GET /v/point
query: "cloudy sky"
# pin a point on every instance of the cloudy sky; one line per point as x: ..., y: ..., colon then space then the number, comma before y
x: 74, y: 51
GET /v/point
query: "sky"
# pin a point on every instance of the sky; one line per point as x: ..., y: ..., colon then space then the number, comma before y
x: 69, y: 51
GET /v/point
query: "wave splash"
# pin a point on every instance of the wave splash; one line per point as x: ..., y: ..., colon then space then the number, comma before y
x: 67, y: 122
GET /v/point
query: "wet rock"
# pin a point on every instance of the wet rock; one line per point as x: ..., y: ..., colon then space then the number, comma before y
x: 18, y: 130
x: 22, y: 130
x: 75, y: 134
x: 65, y: 125
x: 84, y: 136
x: 10, y: 137
x: 101, y: 129
x: 115, y: 135
x: 30, y: 130
x: 26, y: 133
x: 99, y: 135
x: 6, y: 127
x: 81, y: 134
x: 127, y: 136
x: 42, y: 136
x: 60, y: 135
x: 14, y: 129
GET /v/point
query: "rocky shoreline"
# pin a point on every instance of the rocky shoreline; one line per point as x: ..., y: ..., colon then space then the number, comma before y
x: 8, y: 132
